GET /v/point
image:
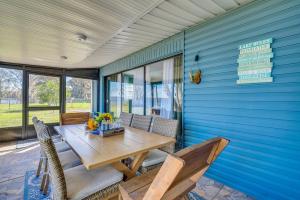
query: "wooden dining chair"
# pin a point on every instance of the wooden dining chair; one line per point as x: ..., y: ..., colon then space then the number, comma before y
x: 177, y: 176
x: 74, y: 118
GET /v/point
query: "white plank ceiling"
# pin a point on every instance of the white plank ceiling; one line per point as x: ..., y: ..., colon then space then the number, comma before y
x: 40, y: 32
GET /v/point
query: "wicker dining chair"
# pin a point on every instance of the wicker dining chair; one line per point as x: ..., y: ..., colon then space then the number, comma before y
x: 141, y: 122
x: 66, y: 156
x: 77, y: 182
x: 126, y: 118
x: 60, y: 146
x: 165, y: 127
x: 155, y: 158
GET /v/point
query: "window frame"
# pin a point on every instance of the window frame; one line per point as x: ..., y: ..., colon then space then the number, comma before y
x: 106, y: 96
x: 94, y: 97
x: 29, y: 108
x: 144, y: 83
x: 4, y: 129
x: 26, y: 130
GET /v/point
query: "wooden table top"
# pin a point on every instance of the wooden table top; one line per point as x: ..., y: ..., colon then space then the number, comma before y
x: 95, y: 151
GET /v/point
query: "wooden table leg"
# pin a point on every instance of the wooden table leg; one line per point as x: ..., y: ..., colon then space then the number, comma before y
x: 120, y: 197
x: 137, y: 162
x: 130, y: 172
x: 124, y: 169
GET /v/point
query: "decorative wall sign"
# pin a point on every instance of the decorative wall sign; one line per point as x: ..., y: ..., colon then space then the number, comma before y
x: 254, y: 61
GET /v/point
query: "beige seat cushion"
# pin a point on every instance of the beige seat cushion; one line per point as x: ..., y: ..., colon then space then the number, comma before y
x: 154, y: 157
x: 61, y: 146
x: 68, y: 159
x: 82, y: 183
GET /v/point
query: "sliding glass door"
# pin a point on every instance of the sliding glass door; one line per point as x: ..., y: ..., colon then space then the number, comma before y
x: 155, y: 89
x: 113, y: 93
x: 133, y: 91
x: 160, y: 88
x: 164, y: 88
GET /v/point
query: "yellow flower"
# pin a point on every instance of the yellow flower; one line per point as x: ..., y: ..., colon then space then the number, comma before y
x: 92, y: 124
x: 104, y: 116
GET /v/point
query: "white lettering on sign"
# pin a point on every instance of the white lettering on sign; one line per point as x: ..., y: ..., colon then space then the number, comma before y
x: 254, y: 61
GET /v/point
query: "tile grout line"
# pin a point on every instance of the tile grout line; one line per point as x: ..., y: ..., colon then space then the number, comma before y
x: 12, y: 179
x: 218, y: 192
x: 18, y: 148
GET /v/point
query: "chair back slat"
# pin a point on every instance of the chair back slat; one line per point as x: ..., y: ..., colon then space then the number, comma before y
x: 74, y: 118
x: 196, y: 158
x: 141, y: 121
x: 126, y: 118
x: 165, y: 177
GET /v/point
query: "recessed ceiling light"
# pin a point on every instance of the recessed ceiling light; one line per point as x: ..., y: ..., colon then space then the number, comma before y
x: 42, y: 59
x: 64, y: 57
x: 81, y: 37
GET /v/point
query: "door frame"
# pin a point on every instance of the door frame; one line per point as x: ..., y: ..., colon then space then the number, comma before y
x: 27, y: 108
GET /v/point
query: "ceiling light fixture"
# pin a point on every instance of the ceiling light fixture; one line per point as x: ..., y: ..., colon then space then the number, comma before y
x: 81, y: 37
x: 42, y: 59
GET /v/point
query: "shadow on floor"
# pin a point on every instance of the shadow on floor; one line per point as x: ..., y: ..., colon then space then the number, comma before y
x: 18, y: 157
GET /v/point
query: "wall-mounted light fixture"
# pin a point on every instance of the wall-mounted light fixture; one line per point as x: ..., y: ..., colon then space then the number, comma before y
x: 195, y: 77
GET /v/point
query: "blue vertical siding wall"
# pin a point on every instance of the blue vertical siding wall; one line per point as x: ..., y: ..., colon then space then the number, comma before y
x: 261, y: 120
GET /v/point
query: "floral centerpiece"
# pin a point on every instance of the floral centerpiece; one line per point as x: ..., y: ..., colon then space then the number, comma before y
x: 104, y: 117
x: 96, y: 121
x: 104, y: 120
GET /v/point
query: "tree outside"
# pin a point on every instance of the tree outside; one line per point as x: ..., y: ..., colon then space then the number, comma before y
x: 78, y: 93
x: 42, y: 91
x: 10, y: 97
x: 48, y: 93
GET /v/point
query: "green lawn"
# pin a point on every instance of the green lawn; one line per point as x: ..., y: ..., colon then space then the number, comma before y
x: 11, y: 115
x: 78, y: 107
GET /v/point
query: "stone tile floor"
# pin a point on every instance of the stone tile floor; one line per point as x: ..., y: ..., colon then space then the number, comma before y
x: 18, y: 157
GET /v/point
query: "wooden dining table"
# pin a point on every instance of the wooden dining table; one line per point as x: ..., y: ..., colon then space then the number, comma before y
x: 96, y: 151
